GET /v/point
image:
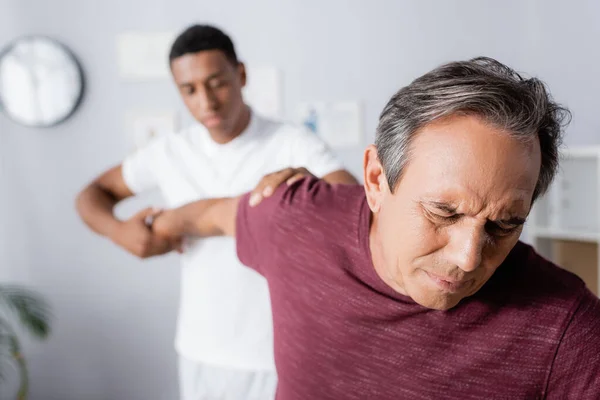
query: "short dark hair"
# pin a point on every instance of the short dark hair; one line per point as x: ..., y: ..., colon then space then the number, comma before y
x: 483, y: 87
x: 198, y: 38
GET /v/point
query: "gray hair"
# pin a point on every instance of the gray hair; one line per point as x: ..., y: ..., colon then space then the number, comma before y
x: 483, y: 87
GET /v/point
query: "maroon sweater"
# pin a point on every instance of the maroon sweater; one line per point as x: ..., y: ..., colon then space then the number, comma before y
x: 532, y: 332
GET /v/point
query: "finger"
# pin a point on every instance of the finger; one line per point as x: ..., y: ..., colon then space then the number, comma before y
x: 160, y: 246
x: 150, y: 218
x: 255, y: 198
x: 178, y: 246
x: 268, y: 190
x: 144, y: 213
x: 295, y: 178
x: 304, y: 172
x: 256, y: 195
x: 277, y: 180
x: 266, y: 187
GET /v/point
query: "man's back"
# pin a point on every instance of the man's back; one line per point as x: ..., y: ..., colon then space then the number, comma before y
x: 533, y: 331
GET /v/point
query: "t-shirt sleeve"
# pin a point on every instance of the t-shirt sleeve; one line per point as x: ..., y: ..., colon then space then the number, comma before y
x: 314, y: 154
x: 576, y: 370
x: 139, y: 168
x: 252, y: 230
x: 267, y: 233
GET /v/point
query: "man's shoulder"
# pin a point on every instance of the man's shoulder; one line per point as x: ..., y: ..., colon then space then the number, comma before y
x: 307, y: 215
x: 269, y: 123
x: 313, y: 204
x: 320, y: 196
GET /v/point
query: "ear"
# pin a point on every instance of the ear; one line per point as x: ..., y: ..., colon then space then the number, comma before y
x: 374, y: 178
x: 242, y: 73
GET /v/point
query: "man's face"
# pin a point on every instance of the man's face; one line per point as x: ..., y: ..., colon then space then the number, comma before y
x: 211, y: 88
x: 456, y: 213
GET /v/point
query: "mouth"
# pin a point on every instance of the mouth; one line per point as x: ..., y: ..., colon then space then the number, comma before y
x: 212, y: 121
x: 447, y: 284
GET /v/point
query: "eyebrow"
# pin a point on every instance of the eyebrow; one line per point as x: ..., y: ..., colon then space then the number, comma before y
x: 451, y: 209
x: 446, y: 207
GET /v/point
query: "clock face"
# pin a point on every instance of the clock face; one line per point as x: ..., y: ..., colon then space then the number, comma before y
x: 41, y: 82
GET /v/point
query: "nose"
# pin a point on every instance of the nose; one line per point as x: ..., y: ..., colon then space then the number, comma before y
x: 465, y: 248
x: 206, y: 100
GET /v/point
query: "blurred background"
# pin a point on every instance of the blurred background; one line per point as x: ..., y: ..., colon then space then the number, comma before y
x: 114, y: 315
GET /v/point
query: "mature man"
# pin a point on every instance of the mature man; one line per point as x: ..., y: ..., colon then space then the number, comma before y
x: 416, y: 286
x: 224, y: 334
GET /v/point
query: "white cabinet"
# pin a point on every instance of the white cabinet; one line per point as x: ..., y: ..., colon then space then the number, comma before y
x: 564, y: 224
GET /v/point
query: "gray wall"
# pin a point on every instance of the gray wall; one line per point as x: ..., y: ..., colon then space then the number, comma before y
x: 563, y: 50
x: 114, y: 315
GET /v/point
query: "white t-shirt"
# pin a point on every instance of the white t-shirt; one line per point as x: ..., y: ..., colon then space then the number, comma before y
x: 225, y: 312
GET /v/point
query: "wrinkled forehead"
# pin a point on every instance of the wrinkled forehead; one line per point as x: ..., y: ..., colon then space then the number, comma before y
x: 465, y: 152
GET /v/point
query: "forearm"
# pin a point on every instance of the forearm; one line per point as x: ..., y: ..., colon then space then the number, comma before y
x: 95, y: 207
x: 202, y: 218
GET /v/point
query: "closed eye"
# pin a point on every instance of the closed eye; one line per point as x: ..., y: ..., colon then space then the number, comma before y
x: 217, y: 83
x: 187, y: 89
x: 443, y: 217
x: 499, y: 229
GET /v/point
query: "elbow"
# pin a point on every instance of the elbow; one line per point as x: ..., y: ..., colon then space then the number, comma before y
x: 85, y: 198
x: 80, y: 202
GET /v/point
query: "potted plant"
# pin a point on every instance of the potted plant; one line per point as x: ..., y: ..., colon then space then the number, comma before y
x: 25, y: 309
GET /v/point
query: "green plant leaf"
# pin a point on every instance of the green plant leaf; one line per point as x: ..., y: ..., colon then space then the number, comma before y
x: 29, y: 308
x: 6, y: 348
